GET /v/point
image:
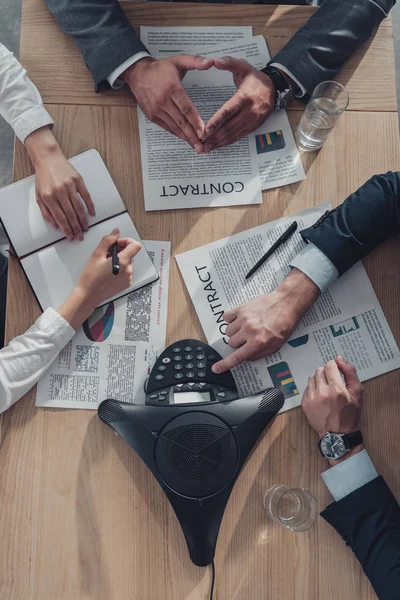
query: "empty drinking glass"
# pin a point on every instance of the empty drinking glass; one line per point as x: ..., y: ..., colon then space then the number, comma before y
x: 328, y: 101
x: 294, y: 508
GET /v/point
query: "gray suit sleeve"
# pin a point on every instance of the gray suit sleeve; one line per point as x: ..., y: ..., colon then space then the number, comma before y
x: 102, y: 32
x: 319, y: 49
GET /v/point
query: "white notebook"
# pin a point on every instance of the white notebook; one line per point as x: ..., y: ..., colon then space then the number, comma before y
x: 53, y: 264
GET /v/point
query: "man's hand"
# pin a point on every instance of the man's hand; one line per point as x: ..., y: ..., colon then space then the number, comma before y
x: 59, y: 187
x: 157, y: 87
x: 260, y: 327
x: 246, y: 110
x: 331, y: 403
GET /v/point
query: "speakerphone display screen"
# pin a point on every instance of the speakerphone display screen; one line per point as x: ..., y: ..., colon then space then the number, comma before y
x: 191, y: 397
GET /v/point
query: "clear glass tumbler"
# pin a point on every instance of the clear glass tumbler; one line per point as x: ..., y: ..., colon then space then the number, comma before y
x: 328, y: 101
x: 294, y: 508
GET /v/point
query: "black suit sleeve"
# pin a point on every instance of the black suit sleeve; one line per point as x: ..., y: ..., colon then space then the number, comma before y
x: 368, y: 519
x: 364, y: 220
x: 319, y: 49
x: 102, y: 32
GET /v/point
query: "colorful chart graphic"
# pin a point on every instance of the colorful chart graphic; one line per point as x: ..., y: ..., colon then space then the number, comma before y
x: 269, y: 142
x: 282, y: 379
x: 98, y: 326
x: 300, y: 341
x: 344, y: 327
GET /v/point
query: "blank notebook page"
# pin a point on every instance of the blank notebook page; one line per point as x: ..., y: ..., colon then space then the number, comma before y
x: 54, y: 271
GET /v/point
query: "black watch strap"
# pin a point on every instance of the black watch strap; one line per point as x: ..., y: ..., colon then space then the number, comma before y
x: 277, y: 78
x: 284, y: 91
x: 353, y: 439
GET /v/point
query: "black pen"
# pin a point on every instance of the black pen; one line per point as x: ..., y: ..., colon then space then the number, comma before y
x: 115, y: 259
x: 285, y: 235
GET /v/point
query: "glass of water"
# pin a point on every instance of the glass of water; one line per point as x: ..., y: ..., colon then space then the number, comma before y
x: 294, y: 508
x: 328, y: 101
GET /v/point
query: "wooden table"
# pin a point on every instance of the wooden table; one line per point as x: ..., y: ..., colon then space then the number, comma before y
x: 81, y: 517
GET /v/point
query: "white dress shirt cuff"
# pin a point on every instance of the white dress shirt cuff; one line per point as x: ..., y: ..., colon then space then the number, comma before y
x: 316, y: 265
x: 349, y: 475
x: 285, y: 70
x: 113, y: 78
x: 31, y: 120
x: 57, y: 328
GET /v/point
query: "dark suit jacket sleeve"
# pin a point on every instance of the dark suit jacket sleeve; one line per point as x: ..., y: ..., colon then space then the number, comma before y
x: 364, y: 220
x: 368, y: 519
x: 102, y: 32
x: 318, y: 50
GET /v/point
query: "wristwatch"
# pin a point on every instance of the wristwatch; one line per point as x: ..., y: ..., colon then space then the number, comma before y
x: 284, y: 91
x: 336, y: 445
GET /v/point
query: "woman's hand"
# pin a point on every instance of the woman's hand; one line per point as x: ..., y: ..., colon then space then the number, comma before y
x: 97, y: 282
x: 59, y: 187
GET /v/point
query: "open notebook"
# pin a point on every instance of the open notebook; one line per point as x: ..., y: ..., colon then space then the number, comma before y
x: 53, y: 264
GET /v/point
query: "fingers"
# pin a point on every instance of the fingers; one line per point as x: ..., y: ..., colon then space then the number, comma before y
x: 46, y: 214
x: 181, y: 126
x: 237, y: 340
x: 312, y: 383
x: 78, y: 208
x: 225, y: 113
x: 131, y: 249
x: 230, y: 315
x: 234, y: 359
x: 59, y: 217
x: 69, y: 212
x: 194, y: 123
x: 107, y: 241
x: 349, y: 373
x: 84, y: 192
x: 185, y: 62
x: 233, y: 328
x: 333, y: 374
x: 228, y: 63
x: 228, y: 135
x: 320, y: 377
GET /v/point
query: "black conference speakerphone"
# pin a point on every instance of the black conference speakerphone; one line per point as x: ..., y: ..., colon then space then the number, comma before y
x: 182, y: 375
x: 194, y: 434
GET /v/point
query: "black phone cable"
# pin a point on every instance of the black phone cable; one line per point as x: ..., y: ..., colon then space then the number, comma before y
x: 212, y: 580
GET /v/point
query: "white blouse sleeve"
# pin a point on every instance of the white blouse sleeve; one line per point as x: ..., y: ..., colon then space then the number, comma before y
x: 20, y: 102
x: 28, y: 356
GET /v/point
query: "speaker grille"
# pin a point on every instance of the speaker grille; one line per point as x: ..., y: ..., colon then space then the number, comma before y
x: 272, y: 401
x: 196, y: 459
x: 110, y: 411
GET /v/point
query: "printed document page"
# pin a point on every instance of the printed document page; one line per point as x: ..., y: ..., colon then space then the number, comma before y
x: 346, y: 319
x: 278, y: 158
x: 169, y: 41
x: 112, y: 353
x: 174, y: 176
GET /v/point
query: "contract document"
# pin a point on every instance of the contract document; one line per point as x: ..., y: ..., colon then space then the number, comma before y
x: 271, y: 149
x: 111, y: 355
x: 346, y: 319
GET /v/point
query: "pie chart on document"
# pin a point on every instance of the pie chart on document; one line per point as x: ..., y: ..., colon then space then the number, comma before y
x: 98, y: 326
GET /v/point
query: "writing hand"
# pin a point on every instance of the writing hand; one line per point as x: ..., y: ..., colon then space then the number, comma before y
x: 246, y: 110
x: 157, y: 87
x: 97, y: 282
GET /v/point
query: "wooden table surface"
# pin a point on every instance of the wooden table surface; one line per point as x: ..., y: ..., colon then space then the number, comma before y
x: 81, y: 516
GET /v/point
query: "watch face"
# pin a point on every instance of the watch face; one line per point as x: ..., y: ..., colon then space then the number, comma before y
x: 332, y: 446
